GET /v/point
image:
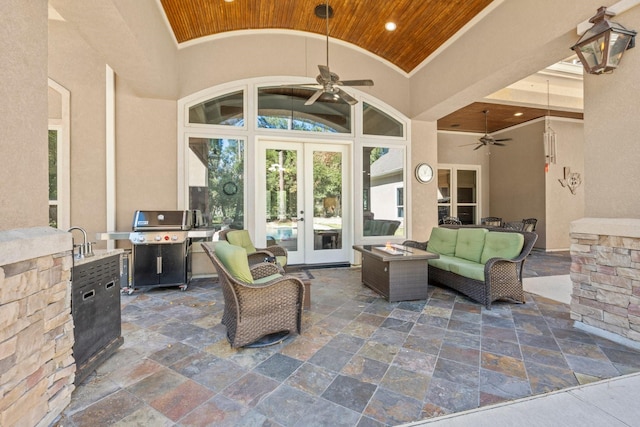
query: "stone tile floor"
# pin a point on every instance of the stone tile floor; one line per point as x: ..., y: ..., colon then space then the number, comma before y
x: 360, y: 361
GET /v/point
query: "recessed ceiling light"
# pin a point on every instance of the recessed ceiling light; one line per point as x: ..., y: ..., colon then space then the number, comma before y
x: 229, y: 1
x: 518, y: 114
x: 390, y: 26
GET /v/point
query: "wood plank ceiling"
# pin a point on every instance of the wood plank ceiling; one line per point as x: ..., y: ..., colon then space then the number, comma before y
x: 471, y: 117
x: 422, y: 27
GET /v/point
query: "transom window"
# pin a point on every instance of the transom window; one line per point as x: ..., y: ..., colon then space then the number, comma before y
x: 377, y: 122
x: 227, y: 110
x: 284, y: 108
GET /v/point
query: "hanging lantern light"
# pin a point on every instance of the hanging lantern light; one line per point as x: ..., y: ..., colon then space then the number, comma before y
x: 601, y: 47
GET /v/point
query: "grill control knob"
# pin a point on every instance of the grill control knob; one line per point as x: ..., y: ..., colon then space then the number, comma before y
x: 140, y: 238
x: 174, y: 237
x: 158, y: 237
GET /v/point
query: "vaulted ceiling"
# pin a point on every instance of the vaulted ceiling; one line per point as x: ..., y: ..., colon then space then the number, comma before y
x: 423, y: 26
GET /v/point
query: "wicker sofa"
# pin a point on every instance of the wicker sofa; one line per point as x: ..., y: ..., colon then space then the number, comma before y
x: 485, y: 265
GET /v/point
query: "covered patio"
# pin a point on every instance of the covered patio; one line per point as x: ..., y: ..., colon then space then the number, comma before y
x: 117, y: 77
x: 360, y: 360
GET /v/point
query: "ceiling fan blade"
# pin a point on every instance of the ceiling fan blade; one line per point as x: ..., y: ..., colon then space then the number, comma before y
x: 503, y: 139
x: 314, y: 97
x: 499, y: 144
x: 366, y: 82
x: 325, y: 73
x: 479, y: 146
x: 346, y: 97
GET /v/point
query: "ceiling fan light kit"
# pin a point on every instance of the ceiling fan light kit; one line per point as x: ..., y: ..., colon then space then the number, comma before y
x: 488, y: 140
x: 328, y: 80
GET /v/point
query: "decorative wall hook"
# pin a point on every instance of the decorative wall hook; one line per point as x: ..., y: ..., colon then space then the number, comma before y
x: 571, y: 180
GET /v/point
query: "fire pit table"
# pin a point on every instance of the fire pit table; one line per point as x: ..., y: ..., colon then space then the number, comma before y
x: 395, y: 271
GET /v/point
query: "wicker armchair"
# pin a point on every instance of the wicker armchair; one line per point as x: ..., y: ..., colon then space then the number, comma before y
x: 451, y: 220
x: 255, y: 255
x: 492, y: 221
x: 262, y: 304
x: 529, y: 224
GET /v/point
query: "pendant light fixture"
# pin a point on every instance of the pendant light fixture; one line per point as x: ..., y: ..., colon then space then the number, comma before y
x: 600, y: 48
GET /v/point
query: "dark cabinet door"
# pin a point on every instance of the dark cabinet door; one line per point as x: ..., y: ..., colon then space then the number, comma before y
x: 173, y: 265
x: 159, y: 265
x: 145, y: 272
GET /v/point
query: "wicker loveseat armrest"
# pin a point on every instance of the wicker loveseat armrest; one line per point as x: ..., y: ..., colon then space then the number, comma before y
x: 529, y: 240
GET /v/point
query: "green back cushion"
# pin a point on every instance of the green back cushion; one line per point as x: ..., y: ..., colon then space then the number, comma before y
x: 501, y: 245
x: 443, y: 241
x: 469, y: 243
x: 241, y: 238
x: 234, y: 259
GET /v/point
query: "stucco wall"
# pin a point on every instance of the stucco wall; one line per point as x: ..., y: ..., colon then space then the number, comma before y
x: 423, y: 196
x: 611, y: 130
x: 146, y: 152
x: 146, y: 148
x: 264, y: 53
x: 23, y: 134
x: 518, y: 178
x: 562, y: 207
x: 76, y: 66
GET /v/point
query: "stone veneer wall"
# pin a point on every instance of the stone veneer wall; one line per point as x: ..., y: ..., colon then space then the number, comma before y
x: 605, y: 271
x: 37, y: 368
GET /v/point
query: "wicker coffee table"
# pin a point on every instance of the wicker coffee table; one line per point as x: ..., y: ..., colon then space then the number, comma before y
x: 395, y: 271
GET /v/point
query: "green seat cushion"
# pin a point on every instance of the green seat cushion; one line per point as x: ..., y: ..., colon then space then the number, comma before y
x: 442, y: 263
x: 442, y: 241
x: 469, y: 243
x: 241, y: 238
x: 470, y: 269
x: 234, y: 259
x: 501, y: 245
x: 267, y: 278
x: 282, y: 260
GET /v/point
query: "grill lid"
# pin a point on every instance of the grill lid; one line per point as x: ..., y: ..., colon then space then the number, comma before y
x: 162, y: 220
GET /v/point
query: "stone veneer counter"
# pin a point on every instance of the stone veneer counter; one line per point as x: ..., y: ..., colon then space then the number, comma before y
x: 37, y: 367
x: 605, y: 271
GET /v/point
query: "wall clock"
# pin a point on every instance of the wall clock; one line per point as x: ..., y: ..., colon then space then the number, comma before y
x: 424, y: 173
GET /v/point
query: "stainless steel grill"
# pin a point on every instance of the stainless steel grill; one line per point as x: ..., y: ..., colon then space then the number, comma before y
x: 161, y: 256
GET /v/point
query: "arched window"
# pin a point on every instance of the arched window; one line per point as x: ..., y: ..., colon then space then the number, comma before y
x: 221, y: 128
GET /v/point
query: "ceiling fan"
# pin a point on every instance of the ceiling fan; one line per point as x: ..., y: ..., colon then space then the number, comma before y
x: 329, y: 80
x: 487, y: 139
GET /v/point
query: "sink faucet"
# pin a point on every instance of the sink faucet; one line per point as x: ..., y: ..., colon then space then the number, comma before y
x: 85, y: 248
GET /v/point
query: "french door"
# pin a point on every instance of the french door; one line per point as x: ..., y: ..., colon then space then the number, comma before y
x: 458, y: 193
x: 303, y: 200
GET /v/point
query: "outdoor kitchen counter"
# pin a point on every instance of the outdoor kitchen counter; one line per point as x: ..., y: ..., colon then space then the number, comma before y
x: 98, y: 254
x: 115, y: 235
x: 194, y: 233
